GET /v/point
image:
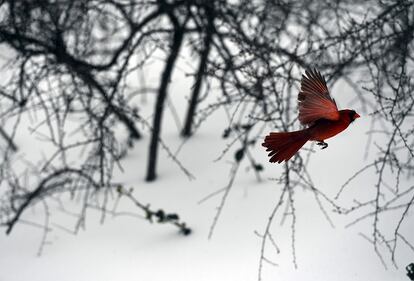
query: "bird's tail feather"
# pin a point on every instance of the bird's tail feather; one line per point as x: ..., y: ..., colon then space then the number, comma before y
x: 284, y: 145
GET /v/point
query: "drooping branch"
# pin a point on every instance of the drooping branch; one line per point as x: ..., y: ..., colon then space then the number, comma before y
x: 48, y: 184
x: 160, y: 215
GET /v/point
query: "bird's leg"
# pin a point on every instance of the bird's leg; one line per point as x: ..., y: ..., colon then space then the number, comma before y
x: 323, y: 144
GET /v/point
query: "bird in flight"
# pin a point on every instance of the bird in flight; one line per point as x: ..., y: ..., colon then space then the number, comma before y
x: 317, y: 111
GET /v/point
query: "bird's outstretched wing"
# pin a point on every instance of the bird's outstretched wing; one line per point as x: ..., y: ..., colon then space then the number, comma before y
x: 314, y: 100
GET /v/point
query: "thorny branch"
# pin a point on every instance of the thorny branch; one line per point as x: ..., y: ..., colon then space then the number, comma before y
x: 74, y: 61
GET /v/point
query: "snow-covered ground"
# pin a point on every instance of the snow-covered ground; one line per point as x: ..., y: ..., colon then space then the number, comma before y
x: 129, y: 248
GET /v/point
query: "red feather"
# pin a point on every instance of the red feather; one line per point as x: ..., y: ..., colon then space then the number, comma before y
x: 314, y: 100
x: 318, y: 110
x: 283, y: 146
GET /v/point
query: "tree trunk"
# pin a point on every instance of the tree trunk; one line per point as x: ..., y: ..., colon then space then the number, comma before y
x: 189, y: 120
x: 159, y: 104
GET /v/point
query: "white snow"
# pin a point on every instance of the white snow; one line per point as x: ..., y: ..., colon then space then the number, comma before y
x: 129, y: 248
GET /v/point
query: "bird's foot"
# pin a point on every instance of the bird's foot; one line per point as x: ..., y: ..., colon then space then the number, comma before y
x: 323, y: 144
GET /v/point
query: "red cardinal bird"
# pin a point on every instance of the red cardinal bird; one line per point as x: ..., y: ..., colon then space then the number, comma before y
x: 318, y: 111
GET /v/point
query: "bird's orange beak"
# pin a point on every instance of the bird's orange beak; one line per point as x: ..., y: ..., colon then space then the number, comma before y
x: 356, y: 115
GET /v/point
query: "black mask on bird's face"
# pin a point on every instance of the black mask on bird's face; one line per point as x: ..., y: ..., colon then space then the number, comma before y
x: 353, y: 115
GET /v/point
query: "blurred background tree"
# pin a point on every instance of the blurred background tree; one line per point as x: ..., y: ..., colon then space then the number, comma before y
x: 73, y: 62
